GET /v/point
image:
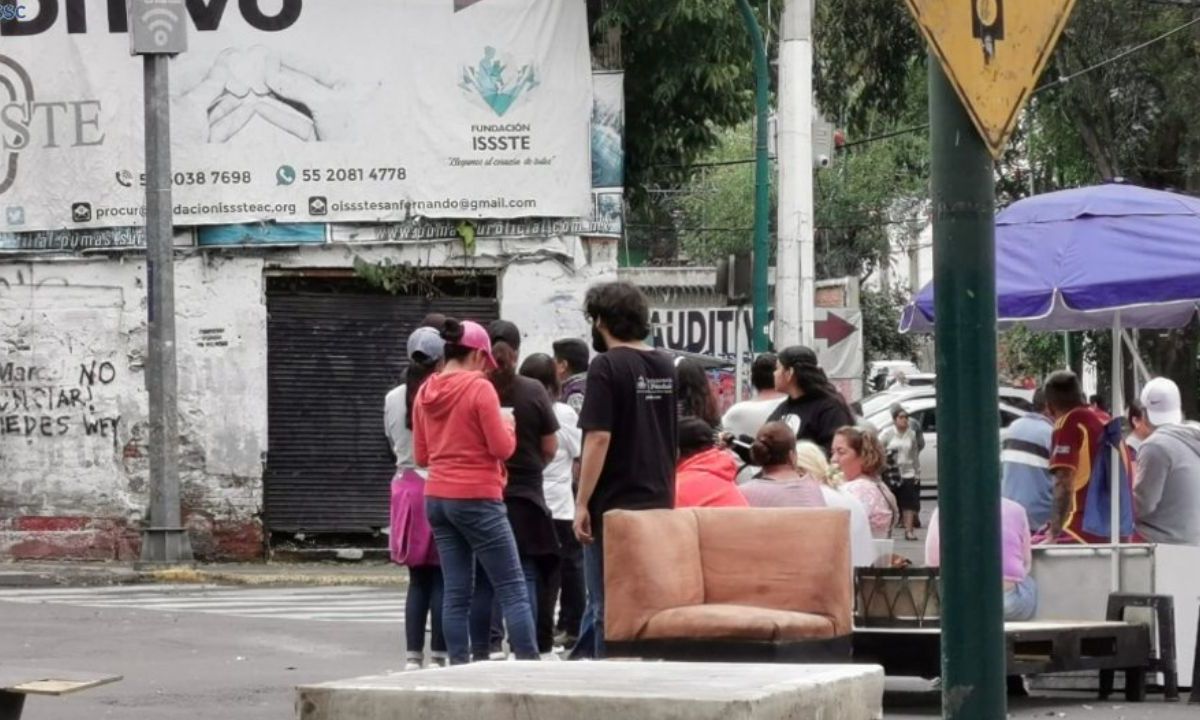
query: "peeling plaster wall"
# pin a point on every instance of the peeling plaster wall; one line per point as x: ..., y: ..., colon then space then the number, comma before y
x: 74, y: 471
x: 73, y: 404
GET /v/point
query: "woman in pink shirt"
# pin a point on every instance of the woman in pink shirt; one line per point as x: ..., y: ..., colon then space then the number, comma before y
x: 780, y: 484
x: 1020, y: 590
x: 860, y: 457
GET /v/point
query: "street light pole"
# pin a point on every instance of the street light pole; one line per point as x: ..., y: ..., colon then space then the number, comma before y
x: 795, y: 276
x: 157, y: 30
x: 762, y: 175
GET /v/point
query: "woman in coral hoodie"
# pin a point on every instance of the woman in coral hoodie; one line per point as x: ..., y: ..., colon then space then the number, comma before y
x: 706, y: 474
x: 461, y: 436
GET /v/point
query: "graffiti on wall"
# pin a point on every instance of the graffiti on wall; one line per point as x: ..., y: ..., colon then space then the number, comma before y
x: 39, y: 402
x: 59, y: 378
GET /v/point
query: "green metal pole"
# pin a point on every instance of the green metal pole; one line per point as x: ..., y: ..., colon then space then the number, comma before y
x: 762, y: 175
x: 964, y: 253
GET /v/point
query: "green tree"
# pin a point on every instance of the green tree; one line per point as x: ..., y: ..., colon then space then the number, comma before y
x: 688, y: 74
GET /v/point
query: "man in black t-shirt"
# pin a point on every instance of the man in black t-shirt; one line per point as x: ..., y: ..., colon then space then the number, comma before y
x: 629, y: 422
x: 813, y: 408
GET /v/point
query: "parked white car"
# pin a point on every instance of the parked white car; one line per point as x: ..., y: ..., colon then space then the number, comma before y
x: 881, y: 373
x: 922, y: 410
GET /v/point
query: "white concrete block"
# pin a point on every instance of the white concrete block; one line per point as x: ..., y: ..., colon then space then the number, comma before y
x: 604, y: 691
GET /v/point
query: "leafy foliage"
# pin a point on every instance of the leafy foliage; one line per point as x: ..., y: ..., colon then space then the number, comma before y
x: 1025, y: 353
x: 688, y: 73
x: 881, y: 323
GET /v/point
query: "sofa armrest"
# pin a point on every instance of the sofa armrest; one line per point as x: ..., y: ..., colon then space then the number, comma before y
x: 651, y: 564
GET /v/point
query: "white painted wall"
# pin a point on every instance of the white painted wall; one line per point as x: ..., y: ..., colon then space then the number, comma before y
x: 74, y: 330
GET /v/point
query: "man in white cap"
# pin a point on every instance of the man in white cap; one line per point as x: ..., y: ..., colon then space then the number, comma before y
x: 1167, y: 485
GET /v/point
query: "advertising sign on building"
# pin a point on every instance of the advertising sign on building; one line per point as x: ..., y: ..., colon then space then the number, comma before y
x: 302, y: 111
x: 719, y: 332
x: 607, y: 216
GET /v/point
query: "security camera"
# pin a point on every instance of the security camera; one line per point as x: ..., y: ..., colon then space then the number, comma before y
x: 822, y: 161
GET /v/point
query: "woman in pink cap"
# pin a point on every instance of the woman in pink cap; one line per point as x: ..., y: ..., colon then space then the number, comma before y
x: 461, y: 436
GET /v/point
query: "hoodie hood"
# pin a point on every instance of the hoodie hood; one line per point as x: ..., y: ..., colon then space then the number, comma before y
x: 440, y: 393
x: 715, y: 463
x: 1188, y: 434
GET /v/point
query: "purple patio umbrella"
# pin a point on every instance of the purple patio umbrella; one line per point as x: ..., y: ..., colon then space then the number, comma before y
x: 1103, y: 257
x: 1092, y: 258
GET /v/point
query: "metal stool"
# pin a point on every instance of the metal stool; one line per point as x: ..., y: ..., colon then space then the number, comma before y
x: 1164, y: 612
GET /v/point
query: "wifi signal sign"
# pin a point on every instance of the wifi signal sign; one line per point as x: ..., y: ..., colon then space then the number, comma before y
x: 157, y: 26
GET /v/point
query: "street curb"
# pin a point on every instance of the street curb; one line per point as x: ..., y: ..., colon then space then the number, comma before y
x: 190, y: 575
x: 69, y: 578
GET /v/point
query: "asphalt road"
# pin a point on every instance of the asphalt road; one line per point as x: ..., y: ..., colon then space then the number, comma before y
x: 186, y: 665
x: 238, y: 654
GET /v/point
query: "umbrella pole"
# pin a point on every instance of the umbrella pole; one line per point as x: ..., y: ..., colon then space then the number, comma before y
x: 1118, y: 405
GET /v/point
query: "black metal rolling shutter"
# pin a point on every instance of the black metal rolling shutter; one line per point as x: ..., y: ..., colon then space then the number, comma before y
x: 331, y: 359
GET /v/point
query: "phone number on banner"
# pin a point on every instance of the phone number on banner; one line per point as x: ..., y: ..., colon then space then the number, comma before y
x: 210, y: 177
x: 353, y: 174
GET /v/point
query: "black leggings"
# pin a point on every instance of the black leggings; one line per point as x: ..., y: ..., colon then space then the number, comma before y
x: 424, y: 599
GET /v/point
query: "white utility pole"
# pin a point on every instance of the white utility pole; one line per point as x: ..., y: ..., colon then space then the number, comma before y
x: 795, y: 279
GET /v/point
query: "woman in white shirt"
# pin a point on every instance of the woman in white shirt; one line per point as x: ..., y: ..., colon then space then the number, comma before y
x: 810, y: 459
x: 558, y: 485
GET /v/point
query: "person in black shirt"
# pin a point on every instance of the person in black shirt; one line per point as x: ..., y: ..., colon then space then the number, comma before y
x: 629, y: 423
x: 813, y: 409
x: 532, y: 524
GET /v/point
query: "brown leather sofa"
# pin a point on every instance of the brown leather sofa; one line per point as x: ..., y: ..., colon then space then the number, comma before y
x: 728, y: 584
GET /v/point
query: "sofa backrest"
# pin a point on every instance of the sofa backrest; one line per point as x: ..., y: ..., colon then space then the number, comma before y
x: 794, y: 559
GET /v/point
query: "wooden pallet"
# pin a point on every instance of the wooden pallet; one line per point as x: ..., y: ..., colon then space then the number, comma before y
x: 1031, y: 648
x: 17, y: 682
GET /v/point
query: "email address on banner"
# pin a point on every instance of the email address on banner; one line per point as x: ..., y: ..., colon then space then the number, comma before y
x: 319, y: 205
x: 198, y: 209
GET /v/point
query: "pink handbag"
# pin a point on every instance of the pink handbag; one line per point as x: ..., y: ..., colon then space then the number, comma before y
x: 411, y: 542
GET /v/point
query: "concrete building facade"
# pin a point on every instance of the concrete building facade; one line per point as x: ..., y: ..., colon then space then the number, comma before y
x: 74, y: 475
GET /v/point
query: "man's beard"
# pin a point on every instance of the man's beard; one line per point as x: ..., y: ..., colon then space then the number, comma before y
x: 598, y: 343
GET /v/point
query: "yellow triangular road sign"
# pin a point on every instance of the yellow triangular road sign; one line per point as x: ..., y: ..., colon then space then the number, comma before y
x: 993, y: 51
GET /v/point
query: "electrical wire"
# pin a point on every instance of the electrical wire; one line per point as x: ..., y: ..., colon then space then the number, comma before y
x: 1119, y: 56
x: 1047, y: 86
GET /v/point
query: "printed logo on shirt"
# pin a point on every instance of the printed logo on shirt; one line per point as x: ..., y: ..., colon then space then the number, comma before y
x: 651, y: 389
x: 1062, y: 450
x: 794, y: 422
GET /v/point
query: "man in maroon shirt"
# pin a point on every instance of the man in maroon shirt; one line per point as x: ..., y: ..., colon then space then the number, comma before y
x: 1078, y: 435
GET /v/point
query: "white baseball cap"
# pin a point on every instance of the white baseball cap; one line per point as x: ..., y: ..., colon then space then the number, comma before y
x: 427, y: 342
x: 1161, y: 398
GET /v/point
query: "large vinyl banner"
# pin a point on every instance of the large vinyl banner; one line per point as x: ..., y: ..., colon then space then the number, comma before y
x: 302, y: 111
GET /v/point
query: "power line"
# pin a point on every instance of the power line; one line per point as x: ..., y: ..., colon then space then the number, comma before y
x: 1052, y: 84
x: 1119, y: 56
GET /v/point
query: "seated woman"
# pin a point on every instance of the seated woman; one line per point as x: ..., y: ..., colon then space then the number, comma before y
x: 779, y: 484
x: 1020, y: 589
x: 705, y: 474
x: 859, y: 456
x: 810, y: 461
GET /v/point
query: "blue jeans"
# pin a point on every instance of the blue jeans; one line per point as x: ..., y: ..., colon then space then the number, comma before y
x: 467, y: 531
x: 1020, y: 603
x: 424, y: 599
x: 591, y: 630
x: 484, y: 621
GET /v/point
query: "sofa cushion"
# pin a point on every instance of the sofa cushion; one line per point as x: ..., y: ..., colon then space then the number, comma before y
x: 651, y: 563
x: 736, y: 622
x: 795, y: 559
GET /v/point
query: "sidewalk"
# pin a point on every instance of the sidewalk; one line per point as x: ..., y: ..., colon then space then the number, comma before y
x: 82, y: 574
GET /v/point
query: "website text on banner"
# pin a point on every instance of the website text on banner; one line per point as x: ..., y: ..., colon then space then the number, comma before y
x: 313, y: 111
